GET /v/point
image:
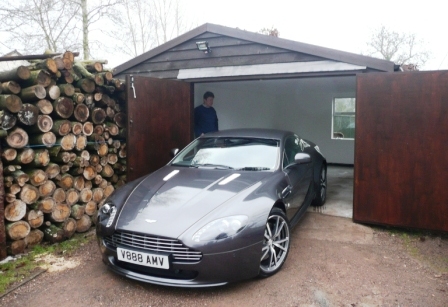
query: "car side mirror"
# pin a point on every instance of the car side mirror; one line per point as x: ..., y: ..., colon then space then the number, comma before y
x: 301, y: 158
x: 174, y: 152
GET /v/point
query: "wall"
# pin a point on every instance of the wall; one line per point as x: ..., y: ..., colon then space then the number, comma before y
x: 300, y: 105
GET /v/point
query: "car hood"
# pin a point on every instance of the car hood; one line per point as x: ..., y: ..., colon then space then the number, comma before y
x: 171, y: 200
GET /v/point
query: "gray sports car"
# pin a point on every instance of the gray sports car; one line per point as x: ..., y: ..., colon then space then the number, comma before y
x: 220, y: 211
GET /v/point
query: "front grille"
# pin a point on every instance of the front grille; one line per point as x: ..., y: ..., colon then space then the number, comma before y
x: 179, y: 252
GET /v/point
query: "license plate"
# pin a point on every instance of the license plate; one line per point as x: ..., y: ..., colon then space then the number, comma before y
x: 146, y: 259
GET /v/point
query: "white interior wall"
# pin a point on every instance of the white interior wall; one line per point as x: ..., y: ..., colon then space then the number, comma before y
x: 300, y: 105
x: 237, y: 106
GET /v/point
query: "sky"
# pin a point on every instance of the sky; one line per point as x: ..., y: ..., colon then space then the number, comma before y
x: 344, y: 25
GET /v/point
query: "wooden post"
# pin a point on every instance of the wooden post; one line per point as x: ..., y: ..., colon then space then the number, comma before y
x: 2, y: 213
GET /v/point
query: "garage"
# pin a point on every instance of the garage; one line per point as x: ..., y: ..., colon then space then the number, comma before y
x: 258, y: 81
x: 263, y: 81
x: 321, y: 93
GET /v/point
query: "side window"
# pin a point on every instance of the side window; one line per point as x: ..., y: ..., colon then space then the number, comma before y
x: 343, y: 118
x: 292, y: 147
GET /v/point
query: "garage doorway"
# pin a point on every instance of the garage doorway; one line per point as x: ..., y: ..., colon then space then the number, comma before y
x: 301, y: 105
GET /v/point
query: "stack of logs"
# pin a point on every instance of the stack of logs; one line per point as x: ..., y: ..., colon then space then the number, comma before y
x: 63, y: 147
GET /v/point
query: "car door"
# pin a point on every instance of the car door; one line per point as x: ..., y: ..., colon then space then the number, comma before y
x: 299, y: 176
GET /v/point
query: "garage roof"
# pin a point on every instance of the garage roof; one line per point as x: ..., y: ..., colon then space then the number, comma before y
x: 239, y: 54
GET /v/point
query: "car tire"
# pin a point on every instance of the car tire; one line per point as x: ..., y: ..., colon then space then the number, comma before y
x: 321, y: 190
x: 275, y: 243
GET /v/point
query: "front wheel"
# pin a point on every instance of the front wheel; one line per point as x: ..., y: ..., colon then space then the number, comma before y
x: 275, y: 243
x: 321, y: 191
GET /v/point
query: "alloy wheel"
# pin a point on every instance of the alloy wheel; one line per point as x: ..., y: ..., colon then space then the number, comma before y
x: 275, y: 243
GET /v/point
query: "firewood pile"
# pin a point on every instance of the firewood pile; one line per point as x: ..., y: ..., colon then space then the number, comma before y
x: 63, y: 147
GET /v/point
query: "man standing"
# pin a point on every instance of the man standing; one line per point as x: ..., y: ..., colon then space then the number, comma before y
x: 205, y: 118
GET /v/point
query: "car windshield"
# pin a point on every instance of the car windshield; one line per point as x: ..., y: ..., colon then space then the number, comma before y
x: 252, y: 154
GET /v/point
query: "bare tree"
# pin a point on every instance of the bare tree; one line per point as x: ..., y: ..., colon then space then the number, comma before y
x: 270, y: 31
x: 146, y: 24
x: 169, y: 22
x: 53, y: 24
x: 401, y: 48
x: 135, y: 23
x: 38, y: 24
x: 92, y: 11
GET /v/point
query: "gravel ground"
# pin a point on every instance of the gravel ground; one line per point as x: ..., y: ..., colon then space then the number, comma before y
x: 332, y: 262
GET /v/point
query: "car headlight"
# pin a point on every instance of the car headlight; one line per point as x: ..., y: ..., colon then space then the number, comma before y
x: 221, y: 228
x: 107, y: 212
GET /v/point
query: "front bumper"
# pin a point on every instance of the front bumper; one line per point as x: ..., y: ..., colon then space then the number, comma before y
x: 212, y: 270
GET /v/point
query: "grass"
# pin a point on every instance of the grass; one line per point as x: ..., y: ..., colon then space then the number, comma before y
x: 15, y: 272
x: 408, y: 241
x: 413, y: 239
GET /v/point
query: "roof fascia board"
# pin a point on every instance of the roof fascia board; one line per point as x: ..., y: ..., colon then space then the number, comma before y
x: 275, y: 77
x: 266, y: 69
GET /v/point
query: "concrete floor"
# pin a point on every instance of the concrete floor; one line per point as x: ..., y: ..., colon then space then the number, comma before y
x: 339, y: 192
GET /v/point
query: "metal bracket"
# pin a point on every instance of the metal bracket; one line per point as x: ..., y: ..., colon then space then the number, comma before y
x: 132, y: 85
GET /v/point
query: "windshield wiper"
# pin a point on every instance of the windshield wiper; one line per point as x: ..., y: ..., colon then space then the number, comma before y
x: 254, y: 168
x: 216, y: 166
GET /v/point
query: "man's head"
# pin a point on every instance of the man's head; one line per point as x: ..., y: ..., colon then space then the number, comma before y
x: 208, y: 99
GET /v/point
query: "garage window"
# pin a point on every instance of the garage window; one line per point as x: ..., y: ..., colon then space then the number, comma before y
x: 343, y: 118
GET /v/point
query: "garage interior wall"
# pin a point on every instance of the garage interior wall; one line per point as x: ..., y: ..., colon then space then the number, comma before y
x: 302, y: 105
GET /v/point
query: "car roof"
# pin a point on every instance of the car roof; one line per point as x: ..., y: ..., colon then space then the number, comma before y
x: 251, y: 132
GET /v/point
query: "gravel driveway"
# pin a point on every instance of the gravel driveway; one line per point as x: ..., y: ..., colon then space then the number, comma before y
x: 332, y: 262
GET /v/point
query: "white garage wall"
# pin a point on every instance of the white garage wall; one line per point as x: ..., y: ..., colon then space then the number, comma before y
x: 300, y: 105
x: 238, y: 106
